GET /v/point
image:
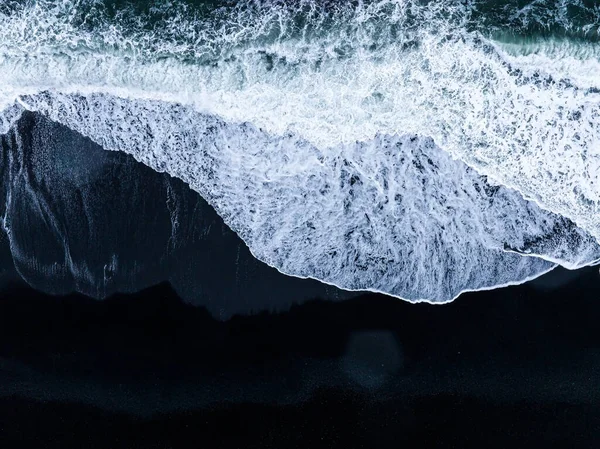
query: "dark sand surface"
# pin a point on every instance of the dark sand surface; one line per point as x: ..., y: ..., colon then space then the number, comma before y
x: 519, y: 366
x: 181, y: 363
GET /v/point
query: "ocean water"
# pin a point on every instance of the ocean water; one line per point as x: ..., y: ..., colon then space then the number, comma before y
x: 415, y: 148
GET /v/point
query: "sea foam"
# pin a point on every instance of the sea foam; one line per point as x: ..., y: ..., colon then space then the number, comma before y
x: 394, y: 146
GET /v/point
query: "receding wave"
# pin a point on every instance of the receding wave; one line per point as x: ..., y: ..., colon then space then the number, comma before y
x: 398, y: 146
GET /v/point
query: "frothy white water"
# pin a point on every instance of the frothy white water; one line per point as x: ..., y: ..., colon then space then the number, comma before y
x: 8, y: 116
x: 288, y: 130
x: 395, y: 214
x: 376, y: 71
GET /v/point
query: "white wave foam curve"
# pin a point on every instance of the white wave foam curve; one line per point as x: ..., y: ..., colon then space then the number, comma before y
x: 395, y: 214
x: 293, y: 137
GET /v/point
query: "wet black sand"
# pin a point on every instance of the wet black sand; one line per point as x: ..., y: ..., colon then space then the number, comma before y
x: 513, y: 366
x: 212, y: 348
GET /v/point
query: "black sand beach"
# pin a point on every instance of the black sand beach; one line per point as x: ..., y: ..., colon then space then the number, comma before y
x: 513, y: 366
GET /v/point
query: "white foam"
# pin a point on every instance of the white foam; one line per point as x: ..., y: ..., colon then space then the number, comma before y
x: 8, y: 116
x: 395, y: 214
x: 269, y: 121
x: 375, y: 73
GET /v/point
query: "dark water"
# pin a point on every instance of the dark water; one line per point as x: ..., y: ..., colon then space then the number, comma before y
x: 522, y: 19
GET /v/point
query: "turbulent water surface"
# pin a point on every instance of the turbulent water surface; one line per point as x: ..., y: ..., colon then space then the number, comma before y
x: 416, y: 148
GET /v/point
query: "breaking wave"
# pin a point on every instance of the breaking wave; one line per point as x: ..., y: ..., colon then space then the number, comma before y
x: 421, y: 149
